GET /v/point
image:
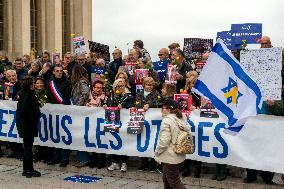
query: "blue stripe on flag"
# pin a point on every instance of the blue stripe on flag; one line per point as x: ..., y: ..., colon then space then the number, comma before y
x: 202, y: 88
x: 235, y: 129
x: 239, y: 72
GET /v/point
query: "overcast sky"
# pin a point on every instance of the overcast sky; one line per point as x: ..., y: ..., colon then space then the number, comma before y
x: 160, y: 22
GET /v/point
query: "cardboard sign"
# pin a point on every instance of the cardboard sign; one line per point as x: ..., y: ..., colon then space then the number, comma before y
x: 112, y: 119
x: 136, y: 123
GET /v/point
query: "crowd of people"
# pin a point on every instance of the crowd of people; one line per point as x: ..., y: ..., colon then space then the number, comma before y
x: 87, y: 80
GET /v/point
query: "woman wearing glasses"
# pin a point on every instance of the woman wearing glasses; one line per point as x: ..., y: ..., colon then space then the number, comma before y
x: 121, y: 98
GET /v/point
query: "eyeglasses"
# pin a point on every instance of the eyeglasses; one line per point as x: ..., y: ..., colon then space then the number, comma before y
x: 58, y: 70
x: 97, y: 87
x: 160, y: 54
x: 119, y: 86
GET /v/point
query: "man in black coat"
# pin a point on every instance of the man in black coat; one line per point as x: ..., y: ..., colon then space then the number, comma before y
x: 183, y: 68
x: 116, y: 63
x: 27, y: 116
x: 58, y: 92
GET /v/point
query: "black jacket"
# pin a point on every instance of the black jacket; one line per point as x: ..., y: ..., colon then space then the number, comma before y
x: 113, y: 67
x: 182, y: 71
x: 64, y: 87
x: 27, y: 114
x: 126, y: 101
x: 21, y: 73
x: 151, y: 99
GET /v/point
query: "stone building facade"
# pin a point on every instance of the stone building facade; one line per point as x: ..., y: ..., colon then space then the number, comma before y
x: 42, y: 25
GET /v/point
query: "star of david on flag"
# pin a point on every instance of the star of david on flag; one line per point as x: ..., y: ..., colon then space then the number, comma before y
x: 231, y: 92
x: 228, y: 86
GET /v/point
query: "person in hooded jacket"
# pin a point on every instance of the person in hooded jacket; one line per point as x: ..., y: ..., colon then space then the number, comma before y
x: 172, y: 123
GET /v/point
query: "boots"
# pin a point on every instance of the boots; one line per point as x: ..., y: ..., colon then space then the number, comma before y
x: 220, y: 172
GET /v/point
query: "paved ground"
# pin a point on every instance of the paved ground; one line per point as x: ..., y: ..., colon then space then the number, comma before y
x: 10, y: 178
x: 52, y: 177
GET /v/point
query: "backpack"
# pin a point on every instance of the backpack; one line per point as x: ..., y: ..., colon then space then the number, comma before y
x: 184, y: 143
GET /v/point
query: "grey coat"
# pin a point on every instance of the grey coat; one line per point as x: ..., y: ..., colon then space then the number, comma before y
x: 80, y: 93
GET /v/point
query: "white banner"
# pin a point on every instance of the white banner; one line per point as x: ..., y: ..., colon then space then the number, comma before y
x: 259, y: 145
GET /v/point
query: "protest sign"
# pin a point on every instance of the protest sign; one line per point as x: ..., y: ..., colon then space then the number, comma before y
x: 227, y: 38
x: 171, y: 75
x: 130, y: 67
x: 79, y: 45
x: 56, y: 58
x: 184, y: 102
x: 264, y: 66
x: 112, y: 119
x: 136, y: 121
x: 250, y: 32
x: 140, y: 74
x: 100, y: 50
x: 193, y: 48
x: 207, y: 109
x: 161, y: 68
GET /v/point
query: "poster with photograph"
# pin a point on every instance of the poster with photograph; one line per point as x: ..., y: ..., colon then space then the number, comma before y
x: 199, y: 66
x: 112, y: 119
x: 171, y: 75
x: 184, y: 102
x: 56, y: 59
x: 207, y: 109
x: 139, y: 88
x: 130, y: 67
x: 193, y: 48
x: 264, y: 66
x: 140, y: 74
x: 136, y: 121
x: 79, y: 45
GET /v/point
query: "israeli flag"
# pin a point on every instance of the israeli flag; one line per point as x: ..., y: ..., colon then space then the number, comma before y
x: 232, y: 91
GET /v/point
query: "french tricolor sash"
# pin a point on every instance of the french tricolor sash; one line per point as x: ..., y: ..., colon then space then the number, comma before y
x: 56, y: 92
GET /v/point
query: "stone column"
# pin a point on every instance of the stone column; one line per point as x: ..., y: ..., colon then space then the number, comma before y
x: 51, y: 25
x: 81, y: 19
x: 18, y: 28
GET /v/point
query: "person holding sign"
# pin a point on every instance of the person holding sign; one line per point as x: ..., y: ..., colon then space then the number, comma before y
x: 252, y: 173
x: 178, y: 58
x: 149, y: 98
x: 123, y: 99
